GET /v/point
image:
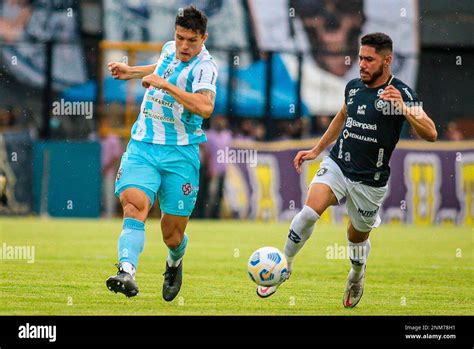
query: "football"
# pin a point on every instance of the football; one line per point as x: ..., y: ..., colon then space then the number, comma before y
x: 267, y: 266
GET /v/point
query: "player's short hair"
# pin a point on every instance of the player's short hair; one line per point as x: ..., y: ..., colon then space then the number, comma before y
x: 193, y: 19
x: 379, y: 41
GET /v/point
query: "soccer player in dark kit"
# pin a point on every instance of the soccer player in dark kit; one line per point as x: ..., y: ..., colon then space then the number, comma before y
x: 366, y: 130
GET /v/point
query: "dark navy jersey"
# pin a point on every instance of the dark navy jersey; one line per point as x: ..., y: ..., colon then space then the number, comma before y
x: 371, y: 131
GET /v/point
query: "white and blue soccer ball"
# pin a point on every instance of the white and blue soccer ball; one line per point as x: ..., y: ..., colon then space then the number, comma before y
x: 267, y: 266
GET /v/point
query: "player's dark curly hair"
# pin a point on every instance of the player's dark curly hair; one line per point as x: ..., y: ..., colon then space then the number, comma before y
x: 379, y: 41
x: 193, y: 19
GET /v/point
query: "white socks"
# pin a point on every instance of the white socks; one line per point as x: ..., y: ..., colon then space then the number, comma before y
x: 128, y: 268
x: 172, y: 263
x: 358, y: 254
x: 301, y: 229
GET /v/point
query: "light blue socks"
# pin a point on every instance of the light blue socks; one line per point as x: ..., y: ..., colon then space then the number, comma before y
x: 176, y: 255
x: 131, y: 241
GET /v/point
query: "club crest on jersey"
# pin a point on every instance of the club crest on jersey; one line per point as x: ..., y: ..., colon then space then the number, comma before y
x: 168, y: 72
x: 380, y: 104
x: 321, y: 171
x: 186, y: 188
x: 361, y: 109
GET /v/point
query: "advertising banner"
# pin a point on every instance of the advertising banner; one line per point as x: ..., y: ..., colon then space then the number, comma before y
x: 429, y: 183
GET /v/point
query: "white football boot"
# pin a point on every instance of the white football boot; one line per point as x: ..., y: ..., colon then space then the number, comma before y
x: 267, y: 291
x: 354, y: 290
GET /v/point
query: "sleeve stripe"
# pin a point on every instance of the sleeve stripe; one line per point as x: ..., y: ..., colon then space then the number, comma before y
x: 200, y: 76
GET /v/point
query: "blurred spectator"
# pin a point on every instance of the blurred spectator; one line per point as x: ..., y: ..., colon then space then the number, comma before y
x: 15, y: 15
x: 246, y: 130
x: 259, y: 132
x: 453, y: 132
x: 295, y: 128
x: 219, y: 137
x: 7, y: 119
x: 3, y: 188
x: 305, y: 127
x: 289, y: 129
x: 283, y: 130
x: 111, y: 150
x: 322, y: 123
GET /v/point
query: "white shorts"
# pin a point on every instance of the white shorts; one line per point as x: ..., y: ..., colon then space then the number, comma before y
x: 362, y: 201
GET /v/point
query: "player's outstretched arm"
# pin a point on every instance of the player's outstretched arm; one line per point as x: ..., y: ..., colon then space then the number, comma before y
x: 122, y: 71
x: 416, y: 116
x: 200, y: 102
x: 328, y: 137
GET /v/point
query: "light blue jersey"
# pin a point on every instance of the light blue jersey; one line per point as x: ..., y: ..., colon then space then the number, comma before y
x: 162, y: 120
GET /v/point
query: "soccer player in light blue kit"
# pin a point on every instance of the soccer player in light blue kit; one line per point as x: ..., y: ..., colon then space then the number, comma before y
x: 162, y: 157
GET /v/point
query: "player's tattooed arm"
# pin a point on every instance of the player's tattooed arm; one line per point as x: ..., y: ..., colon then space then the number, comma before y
x: 210, y: 95
x: 206, y: 104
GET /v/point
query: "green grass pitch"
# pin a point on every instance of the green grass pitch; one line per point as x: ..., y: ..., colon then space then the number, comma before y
x: 411, y: 270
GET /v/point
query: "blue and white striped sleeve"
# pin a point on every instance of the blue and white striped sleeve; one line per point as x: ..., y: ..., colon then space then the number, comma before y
x: 205, y: 76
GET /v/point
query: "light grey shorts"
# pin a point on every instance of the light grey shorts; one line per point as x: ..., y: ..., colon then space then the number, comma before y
x: 362, y: 201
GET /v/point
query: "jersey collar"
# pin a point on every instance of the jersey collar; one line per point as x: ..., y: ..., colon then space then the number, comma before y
x: 388, y: 82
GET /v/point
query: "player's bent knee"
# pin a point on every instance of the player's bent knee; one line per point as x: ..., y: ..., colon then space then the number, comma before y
x: 137, y: 209
x: 172, y: 235
x: 173, y: 230
x: 355, y: 235
x: 132, y: 211
x: 135, y: 204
